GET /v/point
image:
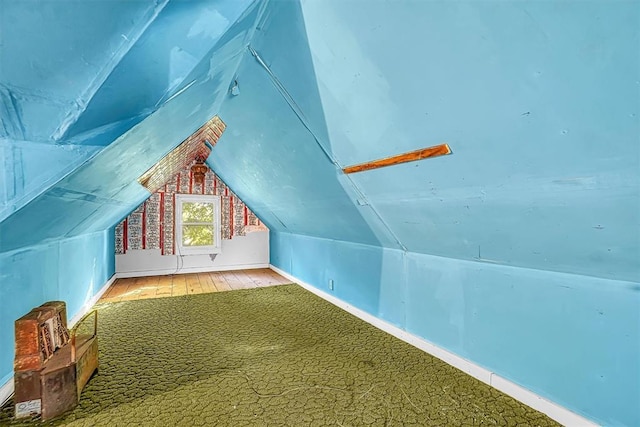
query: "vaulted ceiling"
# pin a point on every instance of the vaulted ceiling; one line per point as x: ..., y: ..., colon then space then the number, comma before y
x: 539, y: 102
x: 541, y: 115
x: 107, y: 89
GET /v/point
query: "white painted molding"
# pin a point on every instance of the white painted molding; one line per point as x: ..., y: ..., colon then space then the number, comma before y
x: 187, y: 270
x: 7, y: 389
x: 554, y: 411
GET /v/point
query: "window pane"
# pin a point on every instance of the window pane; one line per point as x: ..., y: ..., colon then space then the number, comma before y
x: 197, y: 235
x: 197, y: 212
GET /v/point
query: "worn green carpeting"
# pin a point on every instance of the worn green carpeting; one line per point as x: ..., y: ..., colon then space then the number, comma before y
x: 271, y: 357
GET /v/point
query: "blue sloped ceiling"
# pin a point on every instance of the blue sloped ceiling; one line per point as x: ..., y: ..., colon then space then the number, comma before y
x: 188, y: 66
x: 518, y: 252
x: 544, y: 171
x: 54, y: 56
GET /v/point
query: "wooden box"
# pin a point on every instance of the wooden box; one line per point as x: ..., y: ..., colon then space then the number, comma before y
x: 52, y: 364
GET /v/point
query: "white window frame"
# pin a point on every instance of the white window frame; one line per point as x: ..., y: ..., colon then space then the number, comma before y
x: 217, y: 234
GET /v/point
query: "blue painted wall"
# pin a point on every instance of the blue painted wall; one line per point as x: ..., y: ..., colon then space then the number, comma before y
x: 519, y: 251
x: 71, y: 270
x: 570, y: 338
x: 539, y: 102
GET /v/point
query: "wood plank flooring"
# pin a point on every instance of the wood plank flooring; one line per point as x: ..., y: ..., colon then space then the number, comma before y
x: 188, y: 284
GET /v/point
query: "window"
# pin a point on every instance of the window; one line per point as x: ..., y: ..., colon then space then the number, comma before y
x: 197, y: 224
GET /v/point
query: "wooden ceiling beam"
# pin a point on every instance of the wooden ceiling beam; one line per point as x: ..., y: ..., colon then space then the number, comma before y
x: 412, y: 156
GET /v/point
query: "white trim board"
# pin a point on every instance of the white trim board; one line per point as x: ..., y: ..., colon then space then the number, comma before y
x: 7, y: 389
x: 529, y: 398
x: 187, y: 270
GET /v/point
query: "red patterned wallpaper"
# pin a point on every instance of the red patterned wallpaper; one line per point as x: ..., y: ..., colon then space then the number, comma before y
x: 151, y: 226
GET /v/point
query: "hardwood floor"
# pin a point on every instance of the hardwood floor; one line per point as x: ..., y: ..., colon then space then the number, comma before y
x: 187, y: 284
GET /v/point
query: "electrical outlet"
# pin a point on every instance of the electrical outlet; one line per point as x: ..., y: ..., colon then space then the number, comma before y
x: 331, y: 284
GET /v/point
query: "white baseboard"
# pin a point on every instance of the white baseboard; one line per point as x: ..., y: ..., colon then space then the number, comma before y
x: 187, y: 270
x: 535, y: 401
x: 6, y: 390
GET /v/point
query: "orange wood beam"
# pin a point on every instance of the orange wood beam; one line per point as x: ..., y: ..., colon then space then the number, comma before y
x: 412, y: 156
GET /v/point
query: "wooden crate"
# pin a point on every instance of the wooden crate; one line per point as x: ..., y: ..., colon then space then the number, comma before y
x: 52, y: 364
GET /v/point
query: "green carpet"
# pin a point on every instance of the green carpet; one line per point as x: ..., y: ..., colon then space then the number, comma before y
x: 277, y: 356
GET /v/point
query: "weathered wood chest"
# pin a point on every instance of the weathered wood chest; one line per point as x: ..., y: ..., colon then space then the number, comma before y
x: 52, y: 364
